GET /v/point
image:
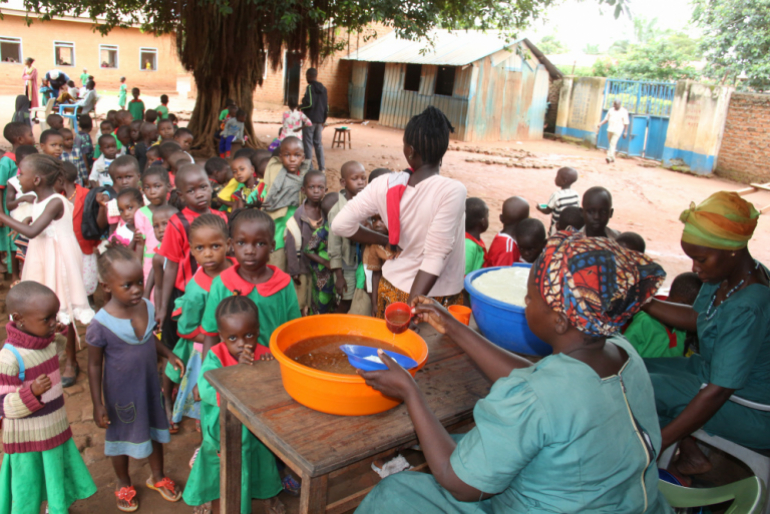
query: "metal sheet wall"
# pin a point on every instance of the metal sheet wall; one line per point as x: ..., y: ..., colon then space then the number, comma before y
x: 504, y: 101
x: 508, y: 101
x: 398, y: 106
x: 357, y: 89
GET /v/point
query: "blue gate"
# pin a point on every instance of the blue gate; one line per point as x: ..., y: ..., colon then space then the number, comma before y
x: 649, y: 108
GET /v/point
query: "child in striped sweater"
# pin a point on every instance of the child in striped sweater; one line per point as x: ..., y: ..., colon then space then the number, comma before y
x: 41, y: 461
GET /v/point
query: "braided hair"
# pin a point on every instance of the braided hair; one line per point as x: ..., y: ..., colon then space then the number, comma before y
x: 113, y: 254
x: 236, y: 305
x: 209, y: 220
x: 251, y: 213
x: 46, y: 167
x: 428, y: 133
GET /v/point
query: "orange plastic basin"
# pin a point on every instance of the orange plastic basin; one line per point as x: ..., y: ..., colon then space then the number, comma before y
x: 335, y: 393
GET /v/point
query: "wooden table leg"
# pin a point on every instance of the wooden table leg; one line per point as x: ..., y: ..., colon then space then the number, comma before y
x: 230, y: 429
x: 312, y: 498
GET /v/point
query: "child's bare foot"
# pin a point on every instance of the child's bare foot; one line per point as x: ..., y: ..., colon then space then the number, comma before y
x: 691, y: 460
x: 274, y: 506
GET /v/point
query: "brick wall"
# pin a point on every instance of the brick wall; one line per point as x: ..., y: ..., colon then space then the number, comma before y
x: 37, y: 41
x: 333, y: 72
x: 745, y: 151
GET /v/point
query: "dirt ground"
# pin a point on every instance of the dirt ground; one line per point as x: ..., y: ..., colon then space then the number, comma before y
x: 647, y: 200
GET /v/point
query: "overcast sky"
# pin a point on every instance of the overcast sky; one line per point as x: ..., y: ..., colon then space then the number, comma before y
x: 578, y: 23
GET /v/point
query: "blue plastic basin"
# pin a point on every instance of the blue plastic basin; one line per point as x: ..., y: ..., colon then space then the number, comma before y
x: 502, y: 323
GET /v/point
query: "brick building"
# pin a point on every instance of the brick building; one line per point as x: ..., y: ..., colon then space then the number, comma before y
x: 70, y: 44
x: 745, y: 149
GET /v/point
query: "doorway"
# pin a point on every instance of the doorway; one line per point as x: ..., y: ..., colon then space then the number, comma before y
x: 292, y: 71
x: 375, y: 81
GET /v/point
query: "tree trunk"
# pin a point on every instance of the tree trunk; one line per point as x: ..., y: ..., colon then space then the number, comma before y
x: 211, y: 99
x: 224, y: 51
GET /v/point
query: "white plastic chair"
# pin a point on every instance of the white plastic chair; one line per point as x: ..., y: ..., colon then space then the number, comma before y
x: 47, y: 110
x: 758, y: 463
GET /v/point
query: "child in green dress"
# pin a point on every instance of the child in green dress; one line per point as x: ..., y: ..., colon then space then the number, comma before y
x: 237, y: 319
x: 209, y: 241
x: 252, y: 236
x: 476, y: 223
x: 41, y: 462
x: 122, y: 94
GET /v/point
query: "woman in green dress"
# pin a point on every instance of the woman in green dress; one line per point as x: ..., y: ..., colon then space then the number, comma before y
x: 732, y: 317
x: 577, y: 432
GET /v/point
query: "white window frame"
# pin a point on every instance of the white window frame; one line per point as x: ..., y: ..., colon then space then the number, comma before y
x: 148, y: 50
x: 10, y: 39
x: 64, y: 43
x: 117, y: 56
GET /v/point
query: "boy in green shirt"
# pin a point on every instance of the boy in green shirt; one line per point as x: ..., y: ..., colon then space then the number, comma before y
x: 136, y: 106
x: 476, y: 223
x: 650, y: 337
x: 162, y: 109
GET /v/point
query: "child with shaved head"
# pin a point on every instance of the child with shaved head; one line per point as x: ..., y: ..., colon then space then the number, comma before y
x: 280, y: 195
x: 504, y: 250
x: 37, y: 439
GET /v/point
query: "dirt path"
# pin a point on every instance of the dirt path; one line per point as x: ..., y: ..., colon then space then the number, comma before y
x: 647, y: 201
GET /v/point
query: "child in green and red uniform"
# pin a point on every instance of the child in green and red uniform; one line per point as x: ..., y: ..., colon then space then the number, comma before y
x: 237, y: 320
x: 17, y: 133
x: 252, y: 234
x: 136, y: 106
x: 650, y: 337
x: 476, y: 223
x: 194, y: 189
x: 209, y: 241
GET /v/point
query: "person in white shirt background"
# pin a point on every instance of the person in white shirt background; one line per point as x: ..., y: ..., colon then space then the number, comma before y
x: 617, y: 127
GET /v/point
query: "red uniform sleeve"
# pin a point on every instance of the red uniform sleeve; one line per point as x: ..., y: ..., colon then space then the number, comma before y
x: 502, y: 252
x: 174, y: 246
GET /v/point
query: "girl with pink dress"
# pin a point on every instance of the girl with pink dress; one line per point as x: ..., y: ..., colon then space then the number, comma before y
x: 155, y: 186
x: 293, y: 121
x: 53, y: 258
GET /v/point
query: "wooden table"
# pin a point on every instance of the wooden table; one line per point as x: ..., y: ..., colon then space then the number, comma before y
x: 319, y: 447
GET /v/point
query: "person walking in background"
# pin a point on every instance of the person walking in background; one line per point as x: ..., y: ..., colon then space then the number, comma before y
x: 315, y: 105
x: 617, y: 127
x: 30, y: 82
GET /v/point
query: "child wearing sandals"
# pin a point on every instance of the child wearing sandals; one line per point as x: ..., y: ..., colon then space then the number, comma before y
x: 209, y: 241
x: 121, y: 341
x: 41, y: 462
x: 237, y: 319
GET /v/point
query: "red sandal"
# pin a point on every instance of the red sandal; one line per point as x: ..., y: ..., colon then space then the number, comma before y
x: 127, y: 494
x: 163, y: 487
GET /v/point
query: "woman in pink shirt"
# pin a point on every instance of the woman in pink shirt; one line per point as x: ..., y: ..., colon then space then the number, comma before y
x: 425, y: 216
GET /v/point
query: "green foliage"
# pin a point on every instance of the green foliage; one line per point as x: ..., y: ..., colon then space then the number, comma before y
x: 549, y: 45
x: 736, y: 38
x: 591, y: 49
x: 619, y: 47
x: 658, y: 59
x: 603, y: 68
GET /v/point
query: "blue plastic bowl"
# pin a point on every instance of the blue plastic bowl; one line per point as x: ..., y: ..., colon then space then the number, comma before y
x: 502, y: 323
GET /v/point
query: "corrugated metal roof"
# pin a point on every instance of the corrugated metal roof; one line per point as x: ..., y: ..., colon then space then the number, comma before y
x: 456, y: 48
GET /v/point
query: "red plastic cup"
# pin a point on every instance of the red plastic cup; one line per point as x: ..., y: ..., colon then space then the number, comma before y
x: 460, y: 313
x: 397, y: 317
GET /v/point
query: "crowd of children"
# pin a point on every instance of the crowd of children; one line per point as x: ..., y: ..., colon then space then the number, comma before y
x: 198, y: 265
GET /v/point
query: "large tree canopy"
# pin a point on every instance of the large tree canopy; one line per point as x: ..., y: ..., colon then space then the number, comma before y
x: 736, y: 39
x: 222, y: 42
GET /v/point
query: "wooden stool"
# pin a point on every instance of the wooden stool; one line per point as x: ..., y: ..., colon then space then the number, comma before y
x: 341, y: 136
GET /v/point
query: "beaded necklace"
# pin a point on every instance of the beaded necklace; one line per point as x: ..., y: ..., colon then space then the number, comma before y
x: 710, y: 314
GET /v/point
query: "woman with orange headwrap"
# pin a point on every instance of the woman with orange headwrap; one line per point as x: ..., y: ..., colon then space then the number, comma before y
x: 726, y: 388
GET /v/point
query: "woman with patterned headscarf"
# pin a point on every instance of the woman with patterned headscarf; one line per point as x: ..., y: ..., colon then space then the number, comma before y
x: 576, y: 432
x: 726, y: 388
